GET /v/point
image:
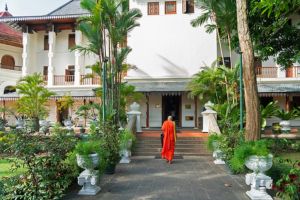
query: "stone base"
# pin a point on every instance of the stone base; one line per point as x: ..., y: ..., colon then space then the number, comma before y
x: 125, y: 160
x: 90, y: 191
x: 258, y: 195
x: 219, y: 162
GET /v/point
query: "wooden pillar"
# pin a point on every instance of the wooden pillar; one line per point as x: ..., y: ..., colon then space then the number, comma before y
x: 287, y: 103
x: 147, y: 111
x: 196, y: 112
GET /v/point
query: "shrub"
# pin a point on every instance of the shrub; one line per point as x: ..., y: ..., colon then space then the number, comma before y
x: 48, y: 172
x: 211, y: 139
x: 125, y: 136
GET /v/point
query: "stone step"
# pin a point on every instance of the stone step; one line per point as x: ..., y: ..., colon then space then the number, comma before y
x: 178, y: 141
x: 181, y: 150
x: 176, y: 153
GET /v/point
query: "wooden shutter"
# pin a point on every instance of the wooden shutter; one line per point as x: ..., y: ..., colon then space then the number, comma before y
x: 7, y: 62
x: 67, y: 75
x: 184, y: 6
x: 71, y: 43
x: 153, y: 8
x: 46, y: 42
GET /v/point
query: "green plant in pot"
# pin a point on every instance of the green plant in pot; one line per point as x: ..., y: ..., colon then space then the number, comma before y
x: 213, y: 144
x: 109, y: 133
x: 90, y: 155
x: 285, y: 117
x: 268, y: 111
x: 247, y: 149
x: 126, y: 140
x: 276, y: 128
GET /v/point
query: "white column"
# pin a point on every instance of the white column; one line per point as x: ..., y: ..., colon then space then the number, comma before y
x: 25, y: 54
x: 78, y: 41
x: 51, y: 41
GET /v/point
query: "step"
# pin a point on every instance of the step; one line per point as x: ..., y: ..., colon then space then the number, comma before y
x: 178, y: 145
x: 176, y: 149
x: 178, y: 154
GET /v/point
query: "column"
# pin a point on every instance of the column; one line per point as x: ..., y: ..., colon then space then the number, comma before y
x: 25, y: 54
x: 78, y: 41
x: 52, y: 39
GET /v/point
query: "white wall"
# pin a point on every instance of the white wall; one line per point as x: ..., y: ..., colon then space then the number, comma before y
x: 187, y: 112
x: 15, y: 52
x: 167, y: 45
x: 155, y: 110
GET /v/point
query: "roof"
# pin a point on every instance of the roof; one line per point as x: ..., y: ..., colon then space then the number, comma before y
x: 279, y: 88
x: 9, y: 35
x: 161, y: 86
x: 69, y: 10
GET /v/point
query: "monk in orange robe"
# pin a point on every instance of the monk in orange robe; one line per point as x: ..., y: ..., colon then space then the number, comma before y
x: 168, y: 128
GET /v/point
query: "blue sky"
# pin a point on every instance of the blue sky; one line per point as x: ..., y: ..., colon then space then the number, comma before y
x: 30, y: 7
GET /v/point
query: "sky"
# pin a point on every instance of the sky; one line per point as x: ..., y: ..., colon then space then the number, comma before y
x: 30, y: 7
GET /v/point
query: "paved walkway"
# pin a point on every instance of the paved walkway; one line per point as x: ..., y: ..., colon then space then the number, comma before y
x: 191, y: 178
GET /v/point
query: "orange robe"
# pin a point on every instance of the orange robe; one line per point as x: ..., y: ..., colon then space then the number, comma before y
x: 168, y: 128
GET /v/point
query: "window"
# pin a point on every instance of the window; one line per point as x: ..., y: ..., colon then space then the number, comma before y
x: 46, y: 43
x: 8, y: 62
x: 153, y: 8
x: 71, y: 41
x: 170, y: 7
x: 45, y: 73
x: 69, y: 73
x: 226, y: 60
x: 188, y: 6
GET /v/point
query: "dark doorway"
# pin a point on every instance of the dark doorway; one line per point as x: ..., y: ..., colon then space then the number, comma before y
x: 61, y: 114
x: 171, y: 105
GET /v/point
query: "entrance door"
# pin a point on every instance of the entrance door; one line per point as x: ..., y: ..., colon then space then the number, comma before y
x: 171, y: 106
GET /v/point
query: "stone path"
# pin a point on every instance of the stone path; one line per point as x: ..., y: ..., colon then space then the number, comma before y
x: 191, y: 178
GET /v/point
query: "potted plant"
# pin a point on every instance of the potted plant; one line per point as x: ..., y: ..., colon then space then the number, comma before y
x: 213, y: 144
x: 276, y: 128
x: 88, y: 154
x: 285, y: 117
x: 256, y: 156
x: 126, y: 139
x: 268, y: 111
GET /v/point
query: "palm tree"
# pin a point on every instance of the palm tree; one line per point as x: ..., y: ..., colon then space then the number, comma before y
x: 106, y: 29
x: 222, y: 14
x: 33, y: 98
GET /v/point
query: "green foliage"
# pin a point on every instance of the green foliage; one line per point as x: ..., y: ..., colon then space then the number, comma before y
x: 287, y: 115
x: 65, y: 102
x: 288, y: 185
x: 212, y: 139
x: 33, y: 98
x: 6, y: 139
x: 48, y: 172
x: 124, y: 137
x: 246, y: 149
x: 269, y: 110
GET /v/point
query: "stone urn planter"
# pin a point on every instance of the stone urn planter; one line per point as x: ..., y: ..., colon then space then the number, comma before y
x: 258, y: 181
x: 19, y: 123
x: 125, y: 152
x: 68, y: 124
x: 218, y: 154
x: 89, y: 177
x: 285, y: 126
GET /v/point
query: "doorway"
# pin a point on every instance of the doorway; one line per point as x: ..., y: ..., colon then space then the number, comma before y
x: 171, y: 106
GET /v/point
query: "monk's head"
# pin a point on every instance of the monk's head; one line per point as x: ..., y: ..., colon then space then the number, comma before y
x: 170, y: 118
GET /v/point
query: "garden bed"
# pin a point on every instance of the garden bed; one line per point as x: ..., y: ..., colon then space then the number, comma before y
x: 5, y: 166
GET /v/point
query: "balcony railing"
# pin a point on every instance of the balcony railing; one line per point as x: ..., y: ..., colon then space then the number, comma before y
x: 95, y: 80
x: 70, y: 80
x: 266, y: 72
x: 64, y: 79
x: 16, y: 68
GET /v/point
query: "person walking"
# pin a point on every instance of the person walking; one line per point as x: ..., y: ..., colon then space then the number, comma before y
x: 169, y: 140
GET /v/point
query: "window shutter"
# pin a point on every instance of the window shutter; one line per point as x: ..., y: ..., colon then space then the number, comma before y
x: 67, y: 75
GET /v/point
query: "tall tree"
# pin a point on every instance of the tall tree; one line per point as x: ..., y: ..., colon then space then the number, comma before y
x: 252, y: 129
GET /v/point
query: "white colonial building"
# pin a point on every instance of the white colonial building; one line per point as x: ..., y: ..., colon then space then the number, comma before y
x: 167, y: 52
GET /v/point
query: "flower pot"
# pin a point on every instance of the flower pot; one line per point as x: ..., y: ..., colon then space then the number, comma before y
x: 110, y: 168
x: 285, y: 126
x: 81, y: 162
x: 19, y: 124
x: 259, y: 164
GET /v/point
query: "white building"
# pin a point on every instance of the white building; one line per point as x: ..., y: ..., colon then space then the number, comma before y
x: 167, y: 51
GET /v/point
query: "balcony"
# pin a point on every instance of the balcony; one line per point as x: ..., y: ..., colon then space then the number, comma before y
x: 65, y: 80
x: 273, y: 72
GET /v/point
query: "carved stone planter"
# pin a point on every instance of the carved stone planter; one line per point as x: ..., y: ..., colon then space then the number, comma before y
x: 258, y: 181
x: 218, y: 154
x: 125, y: 153
x: 285, y: 126
x: 89, y: 177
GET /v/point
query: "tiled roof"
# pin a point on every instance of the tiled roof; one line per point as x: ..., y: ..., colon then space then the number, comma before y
x: 70, y: 8
x: 279, y: 88
x: 9, y: 34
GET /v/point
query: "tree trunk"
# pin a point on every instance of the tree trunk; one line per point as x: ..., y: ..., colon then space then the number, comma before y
x: 253, y: 127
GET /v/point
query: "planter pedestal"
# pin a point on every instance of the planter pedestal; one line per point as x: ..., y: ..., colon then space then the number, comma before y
x: 259, y: 183
x: 125, y: 156
x: 88, y: 183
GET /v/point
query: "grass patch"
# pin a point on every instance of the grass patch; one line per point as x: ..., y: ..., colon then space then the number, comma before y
x: 5, y: 169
